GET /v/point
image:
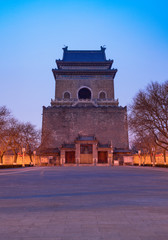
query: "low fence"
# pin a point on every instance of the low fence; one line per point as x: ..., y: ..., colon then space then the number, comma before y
x: 136, y: 159
x: 157, y: 159
x: 9, y: 160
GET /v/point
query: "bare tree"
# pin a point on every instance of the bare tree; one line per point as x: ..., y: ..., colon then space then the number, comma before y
x: 4, y: 143
x: 4, y: 125
x: 4, y: 115
x: 144, y: 144
x: 15, y: 137
x: 31, y: 138
x: 23, y: 135
x: 149, y: 114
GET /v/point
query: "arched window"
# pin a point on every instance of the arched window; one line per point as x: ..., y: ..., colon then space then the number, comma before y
x: 66, y: 95
x: 84, y: 93
x: 102, y: 95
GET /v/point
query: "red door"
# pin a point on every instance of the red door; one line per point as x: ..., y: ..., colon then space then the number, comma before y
x: 70, y: 157
x: 102, y: 157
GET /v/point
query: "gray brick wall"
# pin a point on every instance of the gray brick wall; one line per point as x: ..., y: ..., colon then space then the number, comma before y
x: 95, y: 83
x: 63, y: 124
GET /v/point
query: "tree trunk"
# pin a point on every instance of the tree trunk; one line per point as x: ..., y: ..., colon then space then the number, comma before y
x: 30, y: 155
x: 164, y: 155
x: 151, y: 158
x: 15, y: 158
x: 144, y: 162
x: 154, y: 159
x: 1, y: 159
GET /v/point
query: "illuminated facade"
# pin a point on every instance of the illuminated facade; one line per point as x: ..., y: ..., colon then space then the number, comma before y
x: 85, y: 124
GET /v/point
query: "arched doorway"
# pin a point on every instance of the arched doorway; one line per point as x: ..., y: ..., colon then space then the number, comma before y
x: 84, y: 93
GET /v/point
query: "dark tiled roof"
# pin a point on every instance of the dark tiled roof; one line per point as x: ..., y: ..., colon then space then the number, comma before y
x: 84, y: 56
x: 68, y: 145
x: 104, y: 145
x: 121, y: 150
x: 47, y: 151
x: 86, y: 138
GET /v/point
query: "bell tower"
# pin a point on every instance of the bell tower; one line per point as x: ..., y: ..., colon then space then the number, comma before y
x: 85, y: 122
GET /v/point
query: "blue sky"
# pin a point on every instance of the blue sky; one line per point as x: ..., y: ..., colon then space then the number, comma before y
x: 33, y: 33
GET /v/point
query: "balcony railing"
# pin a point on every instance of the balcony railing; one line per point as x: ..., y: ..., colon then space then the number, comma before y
x: 75, y: 101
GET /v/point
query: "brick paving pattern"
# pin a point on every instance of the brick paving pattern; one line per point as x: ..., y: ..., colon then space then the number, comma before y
x: 84, y: 203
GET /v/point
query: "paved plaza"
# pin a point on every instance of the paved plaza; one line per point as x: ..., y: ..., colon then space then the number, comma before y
x: 84, y: 203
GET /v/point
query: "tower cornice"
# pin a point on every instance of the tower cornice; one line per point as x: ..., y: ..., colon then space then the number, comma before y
x: 111, y: 72
x: 61, y: 64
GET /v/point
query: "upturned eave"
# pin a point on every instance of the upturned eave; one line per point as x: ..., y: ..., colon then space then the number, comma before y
x: 84, y: 72
x: 61, y: 63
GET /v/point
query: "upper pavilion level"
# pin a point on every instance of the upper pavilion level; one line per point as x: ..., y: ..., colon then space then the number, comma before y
x: 84, y: 77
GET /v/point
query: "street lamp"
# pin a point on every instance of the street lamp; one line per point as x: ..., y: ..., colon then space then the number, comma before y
x: 34, y: 153
x: 139, y: 153
x: 23, y: 161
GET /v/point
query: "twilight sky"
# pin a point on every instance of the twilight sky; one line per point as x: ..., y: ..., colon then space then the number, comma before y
x: 33, y: 32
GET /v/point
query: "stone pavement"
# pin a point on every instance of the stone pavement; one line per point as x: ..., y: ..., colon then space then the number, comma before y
x: 84, y: 203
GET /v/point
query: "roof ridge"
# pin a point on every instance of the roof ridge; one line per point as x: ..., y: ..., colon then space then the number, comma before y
x: 84, y: 50
x: 84, y: 55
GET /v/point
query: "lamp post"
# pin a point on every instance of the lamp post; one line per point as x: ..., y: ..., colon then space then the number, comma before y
x: 34, y: 156
x: 23, y: 161
x: 139, y: 153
